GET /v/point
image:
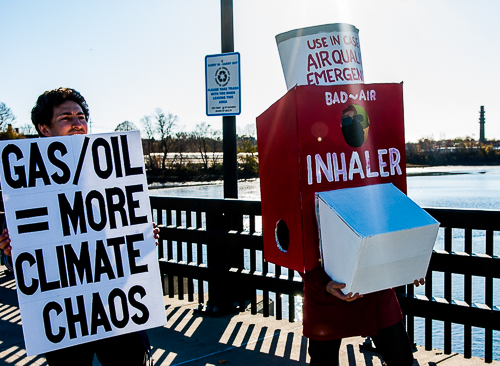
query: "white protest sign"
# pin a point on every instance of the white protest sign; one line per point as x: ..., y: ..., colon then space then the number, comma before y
x: 222, y: 82
x: 83, y: 248
x: 321, y: 55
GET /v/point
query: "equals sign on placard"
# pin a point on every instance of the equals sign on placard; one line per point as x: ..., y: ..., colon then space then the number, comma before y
x: 29, y: 214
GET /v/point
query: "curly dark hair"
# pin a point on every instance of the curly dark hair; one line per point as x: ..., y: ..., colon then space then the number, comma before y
x: 43, y: 110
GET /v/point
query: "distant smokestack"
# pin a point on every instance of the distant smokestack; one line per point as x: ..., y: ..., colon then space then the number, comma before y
x: 481, y: 125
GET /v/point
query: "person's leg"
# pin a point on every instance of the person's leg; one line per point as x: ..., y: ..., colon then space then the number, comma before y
x: 128, y: 349
x: 394, y: 346
x: 81, y: 355
x: 324, y: 353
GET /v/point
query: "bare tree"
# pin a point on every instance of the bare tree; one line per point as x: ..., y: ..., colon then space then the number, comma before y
x: 6, y: 116
x: 181, y: 144
x: 164, y: 126
x: 248, y: 130
x: 148, y: 127
x: 28, y: 129
x: 201, y: 139
x: 215, y: 144
x: 150, y: 133
x: 126, y: 126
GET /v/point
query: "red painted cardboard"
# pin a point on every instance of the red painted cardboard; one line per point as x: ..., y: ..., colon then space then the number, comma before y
x: 302, y: 150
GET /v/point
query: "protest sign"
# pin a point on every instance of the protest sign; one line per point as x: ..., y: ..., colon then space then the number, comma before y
x: 83, y: 248
x: 327, y: 54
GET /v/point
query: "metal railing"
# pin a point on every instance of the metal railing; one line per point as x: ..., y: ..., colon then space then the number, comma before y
x: 459, y: 266
x: 214, y: 246
x: 198, y: 238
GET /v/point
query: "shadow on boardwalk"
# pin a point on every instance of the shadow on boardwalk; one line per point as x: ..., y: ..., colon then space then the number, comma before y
x: 192, y: 339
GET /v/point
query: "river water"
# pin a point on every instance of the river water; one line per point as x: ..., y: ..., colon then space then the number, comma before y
x: 457, y: 187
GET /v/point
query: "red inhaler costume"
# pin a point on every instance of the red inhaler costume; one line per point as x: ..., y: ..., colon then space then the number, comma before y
x: 302, y: 150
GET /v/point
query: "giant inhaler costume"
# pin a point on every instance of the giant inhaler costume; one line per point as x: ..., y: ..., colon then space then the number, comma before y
x: 333, y: 169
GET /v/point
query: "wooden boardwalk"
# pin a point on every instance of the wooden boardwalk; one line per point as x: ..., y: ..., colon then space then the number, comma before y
x: 193, y: 339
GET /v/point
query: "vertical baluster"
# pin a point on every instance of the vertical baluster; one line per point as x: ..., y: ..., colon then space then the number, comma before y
x: 180, y: 280
x: 428, y: 321
x: 161, y: 250
x: 265, y: 293
x: 170, y: 252
x: 199, y: 256
x: 189, y: 254
x: 291, y: 299
x: 468, y: 297
x: 447, y: 291
x: 170, y: 256
x: 253, y: 269
x: 159, y: 216
x: 253, y: 261
x: 488, y: 299
x: 178, y: 222
x: 279, y: 308
x: 159, y: 221
x: 279, y: 305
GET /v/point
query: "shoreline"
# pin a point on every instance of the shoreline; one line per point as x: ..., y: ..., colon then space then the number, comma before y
x: 158, y: 185
x: 449, y: 170
x: 411, y: 171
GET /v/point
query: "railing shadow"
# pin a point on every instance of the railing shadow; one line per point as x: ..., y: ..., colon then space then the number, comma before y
x: 12, y: 349
x: 196, y: 339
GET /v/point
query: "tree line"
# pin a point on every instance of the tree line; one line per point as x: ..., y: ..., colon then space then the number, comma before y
x: 169, y: 152
x: 458, y: 151
x: 173, y: 154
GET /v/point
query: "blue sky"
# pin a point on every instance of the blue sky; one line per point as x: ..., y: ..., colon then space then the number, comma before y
x: 128, y: 57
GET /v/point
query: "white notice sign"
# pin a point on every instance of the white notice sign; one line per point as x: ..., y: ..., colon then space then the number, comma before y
x: 83, y: 249
x: 222, y: 81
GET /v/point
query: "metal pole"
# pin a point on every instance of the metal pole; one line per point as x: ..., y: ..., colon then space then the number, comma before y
x: 229, y: 147
x: 223, y: 296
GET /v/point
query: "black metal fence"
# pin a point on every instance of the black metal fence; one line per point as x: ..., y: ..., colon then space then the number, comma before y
x: 214, y: 247
x: 455, y: 267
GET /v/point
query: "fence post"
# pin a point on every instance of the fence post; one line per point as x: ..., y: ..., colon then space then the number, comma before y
x: 223, y: 297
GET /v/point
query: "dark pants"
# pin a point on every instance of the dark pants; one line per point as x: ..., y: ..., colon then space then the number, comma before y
x: 128, y: 349
x: 392, y: 344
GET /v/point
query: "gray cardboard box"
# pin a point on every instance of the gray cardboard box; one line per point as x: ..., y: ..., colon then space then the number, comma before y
x: 373, y: 237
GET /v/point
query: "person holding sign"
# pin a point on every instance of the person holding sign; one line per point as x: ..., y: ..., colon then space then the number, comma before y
x: 64, y: 112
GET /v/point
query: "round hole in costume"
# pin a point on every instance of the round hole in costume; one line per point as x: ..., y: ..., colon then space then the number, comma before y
x: 281, y: 234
